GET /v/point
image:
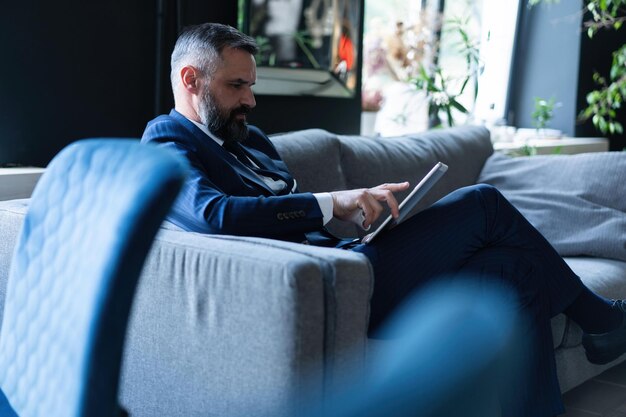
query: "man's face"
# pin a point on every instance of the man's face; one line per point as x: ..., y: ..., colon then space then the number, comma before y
x: 228, y: 98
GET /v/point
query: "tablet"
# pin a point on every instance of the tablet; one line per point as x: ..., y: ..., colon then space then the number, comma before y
x: 411, y: 200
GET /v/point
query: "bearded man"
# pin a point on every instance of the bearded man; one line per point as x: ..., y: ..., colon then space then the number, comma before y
x: 239, y: 185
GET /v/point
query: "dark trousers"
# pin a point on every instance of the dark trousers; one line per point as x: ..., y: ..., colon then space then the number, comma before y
x: 476, y: 233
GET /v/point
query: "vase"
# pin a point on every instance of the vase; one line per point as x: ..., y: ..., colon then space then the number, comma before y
x: 368, y: 122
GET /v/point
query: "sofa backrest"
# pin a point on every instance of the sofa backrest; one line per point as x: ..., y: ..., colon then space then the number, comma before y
x: 322, y: 161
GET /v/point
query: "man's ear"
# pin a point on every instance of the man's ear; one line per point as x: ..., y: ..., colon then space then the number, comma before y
x: 190, y: 79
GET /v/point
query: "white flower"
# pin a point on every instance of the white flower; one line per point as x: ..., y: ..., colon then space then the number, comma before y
x: 441, y: 98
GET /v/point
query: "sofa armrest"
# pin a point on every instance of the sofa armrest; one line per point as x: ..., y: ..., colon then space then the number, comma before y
x: 11, y: 219
x: 223, y: 325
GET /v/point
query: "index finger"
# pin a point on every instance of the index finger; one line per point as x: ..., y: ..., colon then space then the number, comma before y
x: 394, y: 187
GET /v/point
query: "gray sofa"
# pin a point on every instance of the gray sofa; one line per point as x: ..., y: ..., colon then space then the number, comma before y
x: 225, y: 326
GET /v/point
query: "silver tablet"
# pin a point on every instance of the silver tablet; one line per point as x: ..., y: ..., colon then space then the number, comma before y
x: 411, y: 200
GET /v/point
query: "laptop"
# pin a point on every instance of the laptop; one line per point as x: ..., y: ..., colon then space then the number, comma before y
x: 410, y: 201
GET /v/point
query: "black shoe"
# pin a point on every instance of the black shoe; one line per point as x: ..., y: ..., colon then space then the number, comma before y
x: 603, y: 348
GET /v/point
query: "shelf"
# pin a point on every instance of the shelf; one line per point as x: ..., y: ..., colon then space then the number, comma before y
x: 18, y: 182
x: 565, y: 145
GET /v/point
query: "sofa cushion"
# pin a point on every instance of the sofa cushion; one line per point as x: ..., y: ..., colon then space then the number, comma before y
x: 576, y: 201
x: 369, y: 161
x: 312, y: 157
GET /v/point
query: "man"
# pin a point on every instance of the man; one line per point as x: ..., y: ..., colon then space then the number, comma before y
x: 239, y: 185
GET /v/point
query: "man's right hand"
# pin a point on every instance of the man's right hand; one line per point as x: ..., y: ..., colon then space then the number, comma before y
x: 345, y: 203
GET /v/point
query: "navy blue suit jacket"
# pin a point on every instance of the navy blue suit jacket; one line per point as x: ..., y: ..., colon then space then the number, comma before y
x: 223, y: 196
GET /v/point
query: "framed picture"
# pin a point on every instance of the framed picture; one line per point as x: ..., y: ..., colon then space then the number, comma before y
x: 307, y: 47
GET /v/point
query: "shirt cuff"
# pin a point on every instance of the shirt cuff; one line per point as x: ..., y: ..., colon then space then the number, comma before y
x: 325, y: 201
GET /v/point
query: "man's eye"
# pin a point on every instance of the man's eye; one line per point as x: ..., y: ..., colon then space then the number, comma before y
x: 236, y: 85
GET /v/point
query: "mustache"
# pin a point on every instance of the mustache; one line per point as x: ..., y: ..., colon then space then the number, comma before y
x: 241, y: 110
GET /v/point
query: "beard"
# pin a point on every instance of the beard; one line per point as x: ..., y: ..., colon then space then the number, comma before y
x: 221, y: 122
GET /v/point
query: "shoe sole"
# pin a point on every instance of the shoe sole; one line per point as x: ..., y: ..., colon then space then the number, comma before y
x: 601, y: 359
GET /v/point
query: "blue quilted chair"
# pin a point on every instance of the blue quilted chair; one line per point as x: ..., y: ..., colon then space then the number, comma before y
x: 90, y: 224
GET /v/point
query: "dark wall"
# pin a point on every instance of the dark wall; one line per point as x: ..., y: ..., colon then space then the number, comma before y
x: 596, y: 55
x: 73, y: 69
x: 174, y: 15
x: 546, y: 63
x: 275, y: 114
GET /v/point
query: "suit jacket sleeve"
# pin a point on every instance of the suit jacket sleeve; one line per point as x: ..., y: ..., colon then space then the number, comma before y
x: 216, y: 200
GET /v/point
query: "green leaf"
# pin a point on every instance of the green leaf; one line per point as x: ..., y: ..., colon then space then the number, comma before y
x: 464, y: 84
x: 458, y: 106
x: 422, y: 72
x: 450, y: 119
x: 602, y: 124
x: 463, y: 35
x: 593, y: 97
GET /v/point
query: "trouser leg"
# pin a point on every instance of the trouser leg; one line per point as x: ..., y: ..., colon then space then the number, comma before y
x: 532, y: 387
x: 443, y: 238
x: 475, y: 232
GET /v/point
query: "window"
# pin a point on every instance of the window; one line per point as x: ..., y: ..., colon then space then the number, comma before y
x: 461, y: 49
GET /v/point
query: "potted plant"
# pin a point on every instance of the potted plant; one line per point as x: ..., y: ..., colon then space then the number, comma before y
x: 443, y: 92
x: 541, y: 117
x: 604, y: 103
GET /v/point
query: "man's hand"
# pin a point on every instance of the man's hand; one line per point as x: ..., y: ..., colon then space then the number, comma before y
x: 345, y: 203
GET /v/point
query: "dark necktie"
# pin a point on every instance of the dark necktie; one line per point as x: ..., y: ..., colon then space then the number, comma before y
x: 236, y: 149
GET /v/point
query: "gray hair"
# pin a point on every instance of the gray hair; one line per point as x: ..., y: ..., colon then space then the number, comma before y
x: 201, y: 46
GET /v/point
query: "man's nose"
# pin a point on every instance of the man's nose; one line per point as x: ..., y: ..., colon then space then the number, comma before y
x: 248, y: 98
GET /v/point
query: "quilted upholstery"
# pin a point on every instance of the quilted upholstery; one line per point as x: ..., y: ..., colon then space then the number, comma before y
x: 90, y: 223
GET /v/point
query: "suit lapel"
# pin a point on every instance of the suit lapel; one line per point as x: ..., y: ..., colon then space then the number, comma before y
x: 266, y: 163
x: 214, y: 148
